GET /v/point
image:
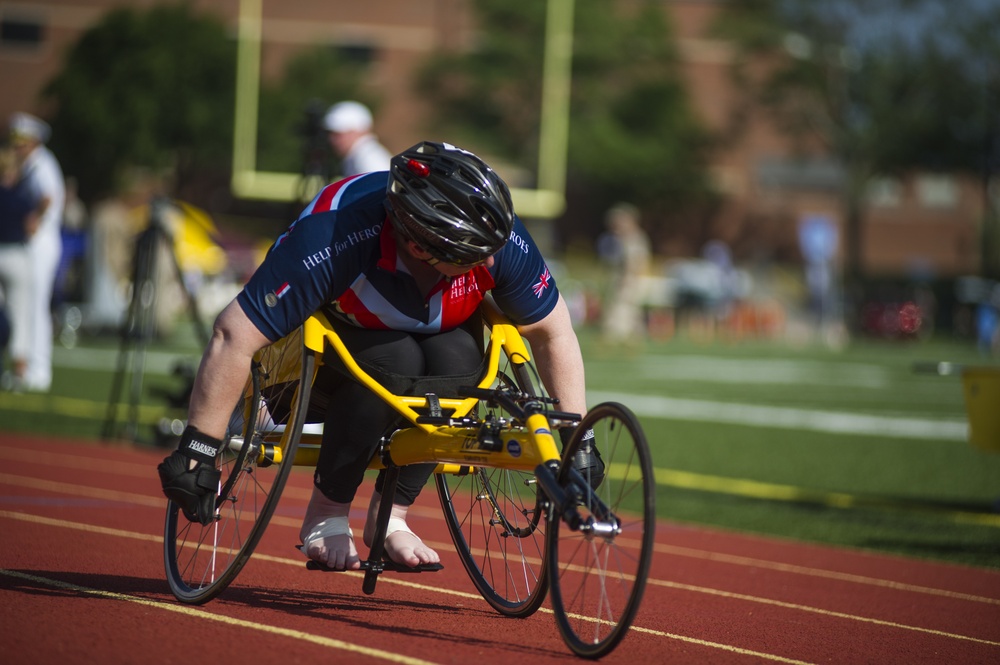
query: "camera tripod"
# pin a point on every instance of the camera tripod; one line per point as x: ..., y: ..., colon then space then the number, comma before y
x: 139, y: 326
x: 316, y: 171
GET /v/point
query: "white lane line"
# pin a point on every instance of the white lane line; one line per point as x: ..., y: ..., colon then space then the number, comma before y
x: 775, y: 371
x: 202, y: 615
x: 837, y: 422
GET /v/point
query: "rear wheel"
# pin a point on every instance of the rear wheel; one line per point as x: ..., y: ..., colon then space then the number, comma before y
x: 201, y: 561
x: 597, y: 572
x: 495, y: 522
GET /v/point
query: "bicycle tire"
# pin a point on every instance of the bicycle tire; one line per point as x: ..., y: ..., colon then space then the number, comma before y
x: 202, y: 561
x: 597, y: 579
x: 493, y: 517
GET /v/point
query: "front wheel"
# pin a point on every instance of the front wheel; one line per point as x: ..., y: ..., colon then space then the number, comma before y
x: 495, y: 521
x: 201, y: 561
x: 597, y: 570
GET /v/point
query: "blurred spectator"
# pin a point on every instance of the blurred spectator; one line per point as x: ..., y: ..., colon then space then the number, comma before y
x: 708, y: 291
x: 75, y: 238
x: 43, y: 179
x: 718, y: 256
x: 75, y: 212
x: 4, y: 341
x: 17, y: 223
x: 818, y: 241
x: 709, y: 285
x: 626, y: 248
x: 988, y: 322
x: 116, y: 223
x: 350, y: 131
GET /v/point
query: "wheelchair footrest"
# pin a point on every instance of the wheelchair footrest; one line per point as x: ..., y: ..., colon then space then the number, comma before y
x: 389, y: 565
x: 386, y: 566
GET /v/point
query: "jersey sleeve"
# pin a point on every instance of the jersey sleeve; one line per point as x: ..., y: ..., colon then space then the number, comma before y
x: 295, y: 279
x: 525, y: 290
x: 317, y: 257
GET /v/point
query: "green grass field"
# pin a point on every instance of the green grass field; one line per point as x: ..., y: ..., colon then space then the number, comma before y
x: 851, y: 448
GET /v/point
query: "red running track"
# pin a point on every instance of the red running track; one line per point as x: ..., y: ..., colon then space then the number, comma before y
x: 81, y: 580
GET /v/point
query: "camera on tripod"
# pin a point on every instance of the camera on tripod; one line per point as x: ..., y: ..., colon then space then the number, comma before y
x: 312, y: 132
x: 139, y: 329
x: 317, y: 158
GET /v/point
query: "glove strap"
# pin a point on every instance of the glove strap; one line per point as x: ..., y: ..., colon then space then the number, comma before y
x: 566, y: 433
x: 199, y: 446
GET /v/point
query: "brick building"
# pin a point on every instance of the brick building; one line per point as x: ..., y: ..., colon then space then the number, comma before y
x: 927, y: 223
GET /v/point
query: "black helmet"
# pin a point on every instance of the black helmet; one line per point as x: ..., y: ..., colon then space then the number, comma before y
x: 449, y: 202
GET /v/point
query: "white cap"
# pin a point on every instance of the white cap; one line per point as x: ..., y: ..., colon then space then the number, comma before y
x: 348, y: 117
x: 28, y: 126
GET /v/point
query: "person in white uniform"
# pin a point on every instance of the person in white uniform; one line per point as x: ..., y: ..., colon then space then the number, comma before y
x: 17, y: 224
x: 349, y: 127
x: 43, y: 178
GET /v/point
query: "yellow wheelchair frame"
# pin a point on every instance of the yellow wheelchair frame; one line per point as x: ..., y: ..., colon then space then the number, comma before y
x: 525, y: 523
x: 425, y: 441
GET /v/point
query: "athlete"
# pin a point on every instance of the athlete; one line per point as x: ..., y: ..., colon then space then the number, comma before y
x: 400, y: 260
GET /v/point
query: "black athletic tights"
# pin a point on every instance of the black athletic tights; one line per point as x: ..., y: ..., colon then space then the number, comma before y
x: 356, y: 418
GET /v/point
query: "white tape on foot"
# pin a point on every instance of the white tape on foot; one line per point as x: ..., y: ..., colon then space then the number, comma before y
x: 331, y: 526
x: 398, y: 524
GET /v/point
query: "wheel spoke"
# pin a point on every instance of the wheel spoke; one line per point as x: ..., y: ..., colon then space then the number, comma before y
x: 201, y: 561
x: 496, y: 526
x: 598, y: 572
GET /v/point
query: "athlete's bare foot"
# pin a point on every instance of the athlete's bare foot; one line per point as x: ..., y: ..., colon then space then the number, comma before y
x: 401, y: 545
x: 326, y: 535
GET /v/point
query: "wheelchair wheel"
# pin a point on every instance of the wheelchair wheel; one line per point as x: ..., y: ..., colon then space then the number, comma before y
x: 597, y: 573
x: 494, y: 520
x: 201, y: 561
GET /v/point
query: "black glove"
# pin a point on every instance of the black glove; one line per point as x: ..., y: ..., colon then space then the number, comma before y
x: 193, y: 490
x: 587, y: 459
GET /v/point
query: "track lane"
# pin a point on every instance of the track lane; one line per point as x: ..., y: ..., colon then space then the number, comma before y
x: 716, y: 596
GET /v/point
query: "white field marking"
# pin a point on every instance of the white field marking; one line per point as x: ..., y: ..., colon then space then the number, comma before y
x: 836, y: 422
x: 765, y: 371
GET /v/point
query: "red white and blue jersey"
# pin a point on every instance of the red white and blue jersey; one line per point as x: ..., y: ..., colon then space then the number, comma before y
x: 341, y: 255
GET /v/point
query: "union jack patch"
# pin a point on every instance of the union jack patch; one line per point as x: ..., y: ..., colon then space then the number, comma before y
x: 543, y: 283
x: 271, y: 299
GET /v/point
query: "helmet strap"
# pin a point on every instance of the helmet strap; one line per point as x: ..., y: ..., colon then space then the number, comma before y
x: 414, y: 248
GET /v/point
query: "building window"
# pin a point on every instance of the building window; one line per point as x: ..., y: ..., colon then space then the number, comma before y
x: 799, y: 174
x: 21, y: 31
x: 360, y: 55
x: 884, y: 192
x: 937, y: 191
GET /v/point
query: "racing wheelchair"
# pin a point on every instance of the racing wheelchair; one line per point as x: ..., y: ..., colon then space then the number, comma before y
x: 524, y: 521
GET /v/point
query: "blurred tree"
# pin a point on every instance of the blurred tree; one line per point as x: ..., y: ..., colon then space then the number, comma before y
x: 632, y: 135
x: 155, y: 89
x: 884, y: 86
x: 491, y: 97
x: 151, y: 88
x: 290, y: 133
